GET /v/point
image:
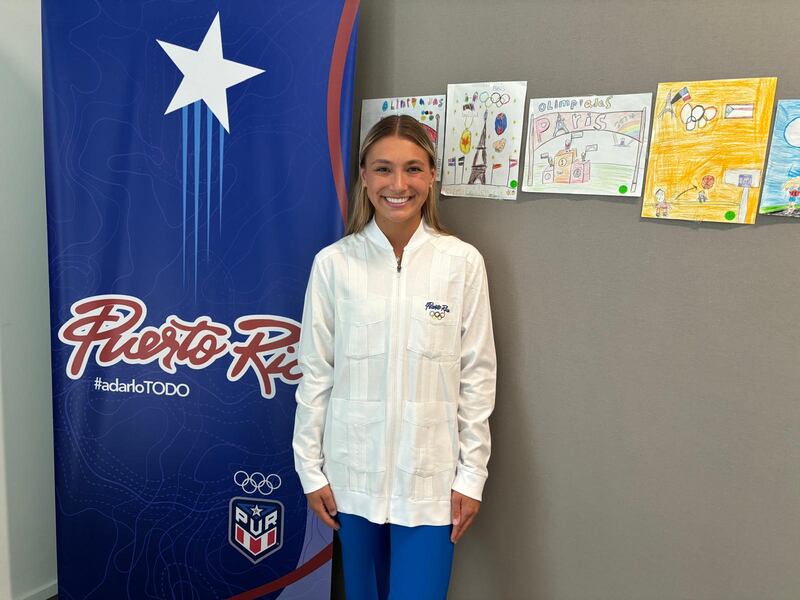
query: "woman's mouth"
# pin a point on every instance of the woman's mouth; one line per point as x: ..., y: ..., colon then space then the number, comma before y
x: 397, y: 201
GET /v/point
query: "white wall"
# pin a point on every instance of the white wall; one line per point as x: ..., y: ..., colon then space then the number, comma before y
x: 27, y: 512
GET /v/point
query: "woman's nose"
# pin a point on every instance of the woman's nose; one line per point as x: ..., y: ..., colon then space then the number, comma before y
x: 399, y: 180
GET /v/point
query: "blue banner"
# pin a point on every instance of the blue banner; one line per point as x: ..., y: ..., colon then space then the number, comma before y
x: 195, y: 163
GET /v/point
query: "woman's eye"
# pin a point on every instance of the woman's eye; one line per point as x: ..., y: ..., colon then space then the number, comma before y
x: 381, y: 170
x: 414, y: 170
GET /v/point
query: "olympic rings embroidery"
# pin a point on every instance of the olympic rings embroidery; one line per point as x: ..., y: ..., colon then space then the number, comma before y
x: 256, y: 482
x: 437, y: 311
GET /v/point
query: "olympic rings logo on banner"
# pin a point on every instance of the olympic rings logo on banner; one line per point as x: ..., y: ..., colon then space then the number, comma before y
x: 437, y: 314
x: 257, y: 482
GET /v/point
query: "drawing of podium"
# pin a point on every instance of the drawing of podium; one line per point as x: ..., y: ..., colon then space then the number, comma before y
x: 565, y: 167
x: 745, y: 179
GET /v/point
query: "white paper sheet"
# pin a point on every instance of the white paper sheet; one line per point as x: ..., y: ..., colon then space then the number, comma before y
x: 587, y: 144
x: 484, y: 137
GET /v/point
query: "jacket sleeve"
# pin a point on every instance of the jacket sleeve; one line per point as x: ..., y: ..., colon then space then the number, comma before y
x: 477, y: 388
x: 315, y: 357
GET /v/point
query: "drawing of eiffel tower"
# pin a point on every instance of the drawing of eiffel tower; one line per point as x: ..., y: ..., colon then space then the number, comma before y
x: 479, y: 168
x: 560, y: 127
x: 667, y: 108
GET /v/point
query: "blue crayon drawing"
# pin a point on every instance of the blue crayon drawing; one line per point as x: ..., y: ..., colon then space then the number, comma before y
x: 782, y: 184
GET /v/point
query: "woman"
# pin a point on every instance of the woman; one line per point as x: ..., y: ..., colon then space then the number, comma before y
x: 391, y: 434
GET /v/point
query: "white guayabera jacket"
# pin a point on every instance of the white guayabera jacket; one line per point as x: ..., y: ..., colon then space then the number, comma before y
x: 398, y: 376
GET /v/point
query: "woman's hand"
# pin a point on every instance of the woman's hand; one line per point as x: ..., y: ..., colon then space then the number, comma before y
x: 322, y: 503
x: 463, y: 511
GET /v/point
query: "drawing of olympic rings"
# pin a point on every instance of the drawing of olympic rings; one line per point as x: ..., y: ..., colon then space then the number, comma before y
x: 437, y: 314
x: 495, y: 98
x: 256, y: 482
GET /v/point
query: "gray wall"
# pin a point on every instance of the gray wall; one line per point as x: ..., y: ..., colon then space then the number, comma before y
x: 647, y: 430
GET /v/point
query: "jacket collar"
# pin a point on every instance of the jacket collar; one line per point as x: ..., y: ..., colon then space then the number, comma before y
x: 423, y: 233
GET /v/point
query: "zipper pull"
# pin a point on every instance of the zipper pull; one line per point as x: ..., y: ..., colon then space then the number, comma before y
x: 399, y: 260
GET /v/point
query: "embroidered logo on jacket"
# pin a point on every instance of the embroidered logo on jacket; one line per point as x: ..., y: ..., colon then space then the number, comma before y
x: 437, y: 311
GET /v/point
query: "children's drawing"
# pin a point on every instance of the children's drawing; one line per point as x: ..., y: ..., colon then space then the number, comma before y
x: 428, y: 110
x: 782, y: 183
x: 484, y: 137
x: 587, y: 145
x: 707, y: 150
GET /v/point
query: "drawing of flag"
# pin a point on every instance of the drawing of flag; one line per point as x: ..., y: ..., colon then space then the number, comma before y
x: 512, y: 162
x: 683, y: 94
x: 739, y: 111
x: 460, y: 161
x: 496, y: 166
x: 451, y: 162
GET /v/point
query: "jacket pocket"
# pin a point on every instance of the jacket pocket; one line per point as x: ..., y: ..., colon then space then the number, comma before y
x: 358, y: 435
x: 433, y: 329
x: 428, y: 451
x: 364, y: 325
x: 426, y: 438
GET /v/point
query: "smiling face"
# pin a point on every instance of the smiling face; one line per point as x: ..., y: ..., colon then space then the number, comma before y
x: 398, y: 176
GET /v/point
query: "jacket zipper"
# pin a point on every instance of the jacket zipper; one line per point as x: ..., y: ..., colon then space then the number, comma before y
x: 393, y: 431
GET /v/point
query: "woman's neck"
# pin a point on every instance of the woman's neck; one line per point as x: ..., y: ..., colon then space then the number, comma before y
x: 398, y: 234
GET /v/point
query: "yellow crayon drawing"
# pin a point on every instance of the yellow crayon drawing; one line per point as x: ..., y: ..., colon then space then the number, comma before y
x: 707, y: 150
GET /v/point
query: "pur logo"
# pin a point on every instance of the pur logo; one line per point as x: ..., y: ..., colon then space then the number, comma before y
x: 109, y: 327
x: 437, y: 311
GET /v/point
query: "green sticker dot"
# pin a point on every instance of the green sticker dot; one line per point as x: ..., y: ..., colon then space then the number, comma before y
x: 513, y: 183
x: 730, y: 215
x: 623, y: 189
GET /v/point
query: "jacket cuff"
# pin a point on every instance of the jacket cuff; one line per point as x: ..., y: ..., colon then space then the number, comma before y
x: 312, y: 480
x: 469, y: 484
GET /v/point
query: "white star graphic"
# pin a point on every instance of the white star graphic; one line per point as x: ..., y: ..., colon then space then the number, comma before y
x: 206, y: 74
x: 256, y: 511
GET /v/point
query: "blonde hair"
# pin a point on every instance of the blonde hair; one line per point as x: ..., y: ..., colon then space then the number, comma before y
x: 792, y: 183
x: 408, y: 128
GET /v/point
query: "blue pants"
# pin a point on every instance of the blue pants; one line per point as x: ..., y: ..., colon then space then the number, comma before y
x: 394, y: 562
